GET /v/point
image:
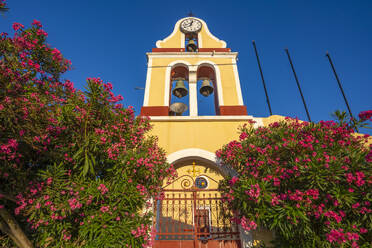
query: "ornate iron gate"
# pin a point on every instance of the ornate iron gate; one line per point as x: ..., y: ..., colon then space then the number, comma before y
x: 194, y: 218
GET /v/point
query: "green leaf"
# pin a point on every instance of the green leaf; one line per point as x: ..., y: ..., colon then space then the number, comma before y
x: 92, y: 164
x: 86, y: 165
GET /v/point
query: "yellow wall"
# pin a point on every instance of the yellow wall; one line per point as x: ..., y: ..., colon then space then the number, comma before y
x: 207, y: 135
x: 272, y: 119
x: 173, y: 41
x: 208, y: 41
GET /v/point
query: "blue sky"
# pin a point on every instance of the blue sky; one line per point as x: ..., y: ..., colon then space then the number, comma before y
x: 109, y: 39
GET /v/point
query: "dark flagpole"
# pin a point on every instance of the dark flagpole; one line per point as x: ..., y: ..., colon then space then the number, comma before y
x: 339, y: 84
x: 298, y: 84
x: 262, y: 77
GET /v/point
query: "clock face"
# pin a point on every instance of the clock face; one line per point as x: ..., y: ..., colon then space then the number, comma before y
x: 190, y: 25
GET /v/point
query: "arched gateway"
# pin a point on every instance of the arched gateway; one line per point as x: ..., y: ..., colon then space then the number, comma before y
x: 186, y: 70
x: 192, y: 212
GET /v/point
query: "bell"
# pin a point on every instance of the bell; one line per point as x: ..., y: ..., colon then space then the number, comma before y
x: 206, y: 88
x: 177, y: 108
x: 180, y: 90
x: 191, y: 46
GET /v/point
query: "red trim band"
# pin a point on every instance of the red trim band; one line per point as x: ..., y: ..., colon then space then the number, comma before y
x: 233, y: 110
x: 155, y: 111
x: 214, y: 49
x: 159, y: 50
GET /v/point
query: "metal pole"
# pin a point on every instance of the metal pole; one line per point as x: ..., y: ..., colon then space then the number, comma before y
x: 339, y: 84
x: 262, y: 77
x: 298, y: 84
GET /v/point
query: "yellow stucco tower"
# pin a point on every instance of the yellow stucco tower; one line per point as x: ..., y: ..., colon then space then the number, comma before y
x: 193, y: 64
x: 209, y: 60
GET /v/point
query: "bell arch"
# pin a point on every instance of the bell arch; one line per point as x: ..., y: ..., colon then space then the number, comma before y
x: 217, y: 79
x: 179, y: 90
x: 177, y: 68
x: 208, y: 93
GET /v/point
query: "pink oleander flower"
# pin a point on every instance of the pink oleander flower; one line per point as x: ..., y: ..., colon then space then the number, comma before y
x: 336, y: 236
x: 254, y: 191
x: 49, y: 181
x: 356, y: 205
x: 276, y: 182
x: 233, y: 180
x: 105, y: 209
x: 37, y: 23
x: 363, y: 230
x: 369, y: 156
x: 66, y: 237
x: 365, y: 115
x: 17, y: 26
x: 247, y: 224
x: 74, y: 203
x: 102, y: 188
x: 274, y: 200
x: 243, y: 135
x: 352, y: 236
x: 2, y: 4
x: 334, y: 215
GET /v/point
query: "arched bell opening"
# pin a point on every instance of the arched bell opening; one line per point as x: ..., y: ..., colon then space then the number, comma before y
x: 191, y: 42
x: 179, y: 91
x: 207, y: 90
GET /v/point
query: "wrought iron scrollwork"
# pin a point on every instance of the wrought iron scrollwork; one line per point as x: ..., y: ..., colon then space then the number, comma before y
x: 186, y: 183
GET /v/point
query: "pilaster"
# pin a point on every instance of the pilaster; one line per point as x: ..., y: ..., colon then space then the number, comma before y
x: 193, y: 97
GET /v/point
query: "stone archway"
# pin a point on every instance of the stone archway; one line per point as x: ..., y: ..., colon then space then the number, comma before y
x: 207, y: 157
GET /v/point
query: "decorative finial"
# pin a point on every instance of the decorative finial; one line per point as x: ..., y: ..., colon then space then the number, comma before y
x: 193, y: 171
x: 190, y: 14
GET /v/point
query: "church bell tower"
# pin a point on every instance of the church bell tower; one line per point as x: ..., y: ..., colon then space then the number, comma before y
x: 189, y: 56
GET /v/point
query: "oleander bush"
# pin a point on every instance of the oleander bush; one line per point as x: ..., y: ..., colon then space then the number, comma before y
x: 77, y: 169
x: 310, y: 183
x: 3, y: 6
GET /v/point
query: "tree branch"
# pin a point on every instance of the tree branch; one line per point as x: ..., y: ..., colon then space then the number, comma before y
x: 8, y: 197
x: 5, y: 229
x: 14, y: 230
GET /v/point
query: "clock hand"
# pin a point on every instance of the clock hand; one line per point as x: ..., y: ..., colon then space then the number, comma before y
x: 190, y: 24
